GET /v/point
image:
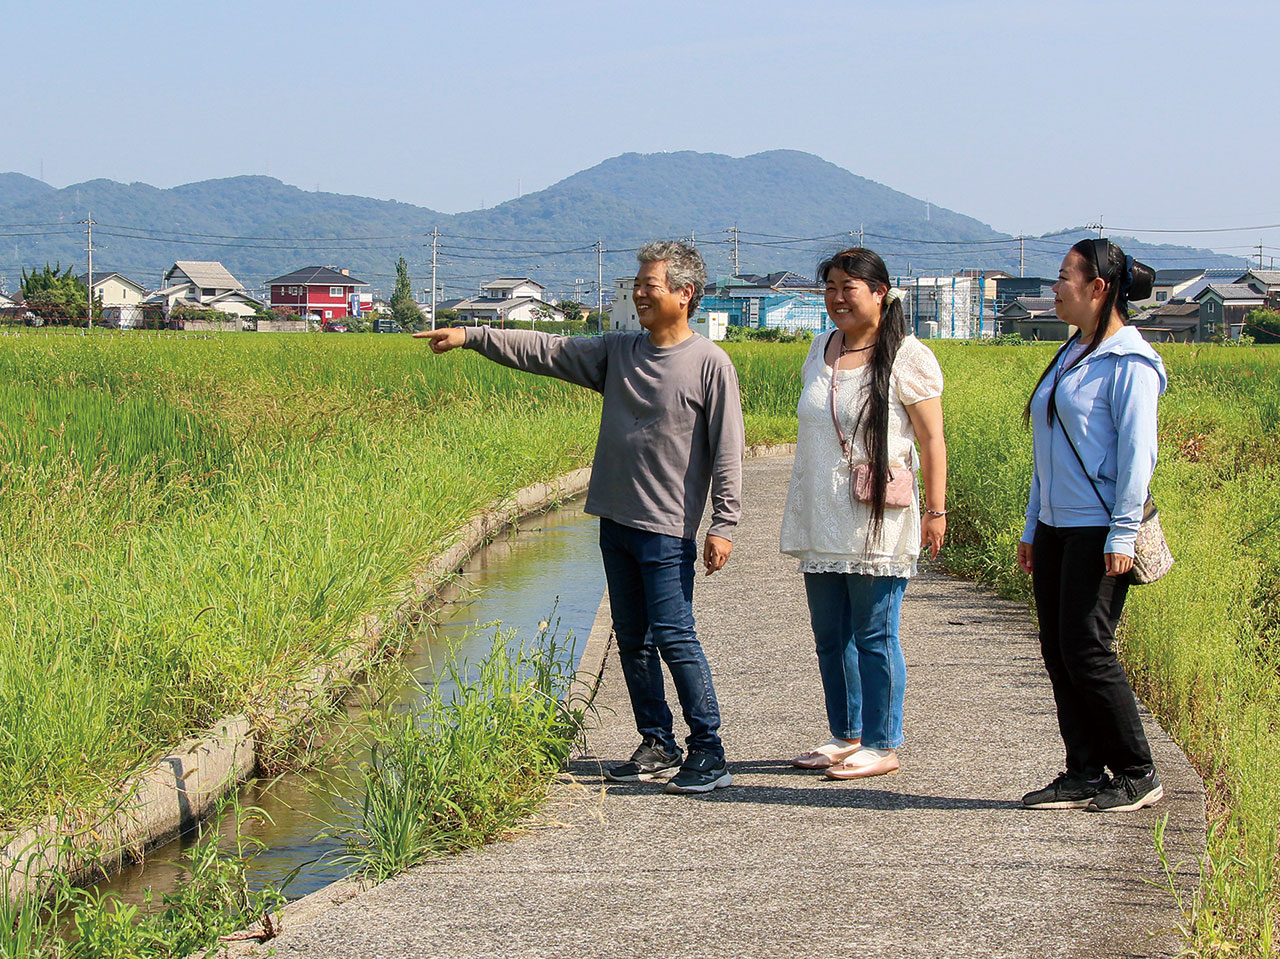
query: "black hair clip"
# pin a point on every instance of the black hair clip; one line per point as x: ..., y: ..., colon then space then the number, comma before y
x: 1102, y: 256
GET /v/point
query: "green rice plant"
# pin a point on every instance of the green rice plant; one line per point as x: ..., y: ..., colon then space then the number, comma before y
x: 475, y: 759
x: 769, y: 379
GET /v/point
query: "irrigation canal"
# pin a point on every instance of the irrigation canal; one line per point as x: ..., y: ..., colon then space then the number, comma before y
x: 550, y: 561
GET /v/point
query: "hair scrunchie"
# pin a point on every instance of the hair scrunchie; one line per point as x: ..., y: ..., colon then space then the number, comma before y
x: 893, y: 294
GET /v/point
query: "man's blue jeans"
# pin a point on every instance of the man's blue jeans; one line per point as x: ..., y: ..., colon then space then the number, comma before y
x: 650, y: 579
x: 864, y: 675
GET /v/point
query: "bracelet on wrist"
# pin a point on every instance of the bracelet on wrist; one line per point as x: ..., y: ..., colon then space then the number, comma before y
x: 936, y: 512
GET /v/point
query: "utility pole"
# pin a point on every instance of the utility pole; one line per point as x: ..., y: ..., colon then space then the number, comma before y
x: 1022, y: 255
x: 89, y: 307
x: 1099, y: 226
x: 1259, y: 254
x: 860, y: 243
x: 734, y: 231
x: 600, y: 285
x: 435, y: 236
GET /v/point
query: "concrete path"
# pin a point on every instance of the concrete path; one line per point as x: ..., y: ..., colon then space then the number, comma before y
x: 939, y: 860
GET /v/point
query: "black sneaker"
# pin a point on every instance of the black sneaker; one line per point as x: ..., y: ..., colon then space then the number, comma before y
x: 1065, y: 792
x: 1127, y: 793
x: 701, y: 773
x: 649, y: 761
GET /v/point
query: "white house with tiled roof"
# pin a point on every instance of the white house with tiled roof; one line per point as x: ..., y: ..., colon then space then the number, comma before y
x: 508, y: 298
x: 203, y: 285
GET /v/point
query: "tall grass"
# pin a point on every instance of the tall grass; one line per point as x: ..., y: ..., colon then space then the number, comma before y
x: 472, y: 761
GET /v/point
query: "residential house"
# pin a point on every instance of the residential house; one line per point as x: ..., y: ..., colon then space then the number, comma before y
x: 11, y: 308
x: 508, y: 299
x: 203, y: 285
x: 622, y: 315
x: 120, y: 296
x: 320, y: 293
x: 1223, y: 309
x: 1214, y: 276
x: 1174, y: 321
x: 1168, y: 285
x: 1267, y: 281
x: 1009, y: 288
x: 1034, y: 318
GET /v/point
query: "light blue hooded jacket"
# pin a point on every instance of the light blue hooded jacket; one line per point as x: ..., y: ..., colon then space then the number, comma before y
x: 1107, y: 402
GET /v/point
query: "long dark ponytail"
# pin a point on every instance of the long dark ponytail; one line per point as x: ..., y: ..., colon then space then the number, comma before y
x: 1126, y: 280
x: 865, y: 265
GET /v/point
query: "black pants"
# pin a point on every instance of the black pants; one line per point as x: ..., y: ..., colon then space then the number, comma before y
x: 1079, y: 607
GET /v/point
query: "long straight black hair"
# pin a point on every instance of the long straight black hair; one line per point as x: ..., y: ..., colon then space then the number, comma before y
x: 1126, y: 279
x: 863, y: 264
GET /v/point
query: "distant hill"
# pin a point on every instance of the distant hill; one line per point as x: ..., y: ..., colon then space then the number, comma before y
x: 16, y: 188
x: 789, y: 209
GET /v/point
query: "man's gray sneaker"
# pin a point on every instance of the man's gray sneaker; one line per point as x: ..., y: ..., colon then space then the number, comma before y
x: 649, y: 761
x: 701, y: 773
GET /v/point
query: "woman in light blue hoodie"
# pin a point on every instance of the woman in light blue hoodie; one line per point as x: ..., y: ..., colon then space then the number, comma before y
x: 1093, y: 418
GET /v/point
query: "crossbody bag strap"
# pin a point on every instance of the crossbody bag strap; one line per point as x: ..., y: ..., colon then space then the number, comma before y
x: 1084, y: 469
x: 846, y: 445
x: 1053, y: 410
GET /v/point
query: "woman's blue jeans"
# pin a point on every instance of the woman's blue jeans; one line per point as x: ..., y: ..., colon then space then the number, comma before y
x: 864, y: 674
x: 650, y: 578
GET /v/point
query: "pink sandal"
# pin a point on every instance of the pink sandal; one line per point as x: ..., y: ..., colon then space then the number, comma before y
x: 826, y: 755
x: 867, y: 761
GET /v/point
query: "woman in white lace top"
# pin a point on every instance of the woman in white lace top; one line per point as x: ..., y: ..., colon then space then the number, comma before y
x: 853, y: 517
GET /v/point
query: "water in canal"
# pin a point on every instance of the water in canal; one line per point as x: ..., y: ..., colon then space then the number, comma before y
x: 551, y: 562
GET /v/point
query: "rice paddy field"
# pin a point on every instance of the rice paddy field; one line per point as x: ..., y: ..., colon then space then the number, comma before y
x: 188, y: 524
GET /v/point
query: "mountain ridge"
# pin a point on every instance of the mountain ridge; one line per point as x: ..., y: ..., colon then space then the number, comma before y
x: 785, y: 208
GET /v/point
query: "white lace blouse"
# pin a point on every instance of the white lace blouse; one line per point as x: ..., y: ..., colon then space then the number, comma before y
x: 822, y: 524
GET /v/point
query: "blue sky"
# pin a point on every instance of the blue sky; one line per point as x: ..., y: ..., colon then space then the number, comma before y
x: 1031, y: 116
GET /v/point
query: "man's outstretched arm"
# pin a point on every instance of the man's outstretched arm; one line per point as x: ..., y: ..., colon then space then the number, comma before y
x: 576, y: 359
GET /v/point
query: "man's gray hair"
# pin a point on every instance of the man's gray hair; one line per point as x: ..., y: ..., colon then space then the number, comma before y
x: 684, y: 266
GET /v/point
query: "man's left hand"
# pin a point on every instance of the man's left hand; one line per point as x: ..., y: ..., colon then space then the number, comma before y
x: 716, y: 553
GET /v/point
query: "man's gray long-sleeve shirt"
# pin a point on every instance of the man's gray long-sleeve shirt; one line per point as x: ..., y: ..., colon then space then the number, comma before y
x: 671, y: 424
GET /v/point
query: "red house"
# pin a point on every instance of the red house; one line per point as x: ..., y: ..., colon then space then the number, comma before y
x: 319, y: 291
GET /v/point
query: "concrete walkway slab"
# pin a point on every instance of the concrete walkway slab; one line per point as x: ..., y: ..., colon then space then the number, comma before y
x: 939, y: 860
